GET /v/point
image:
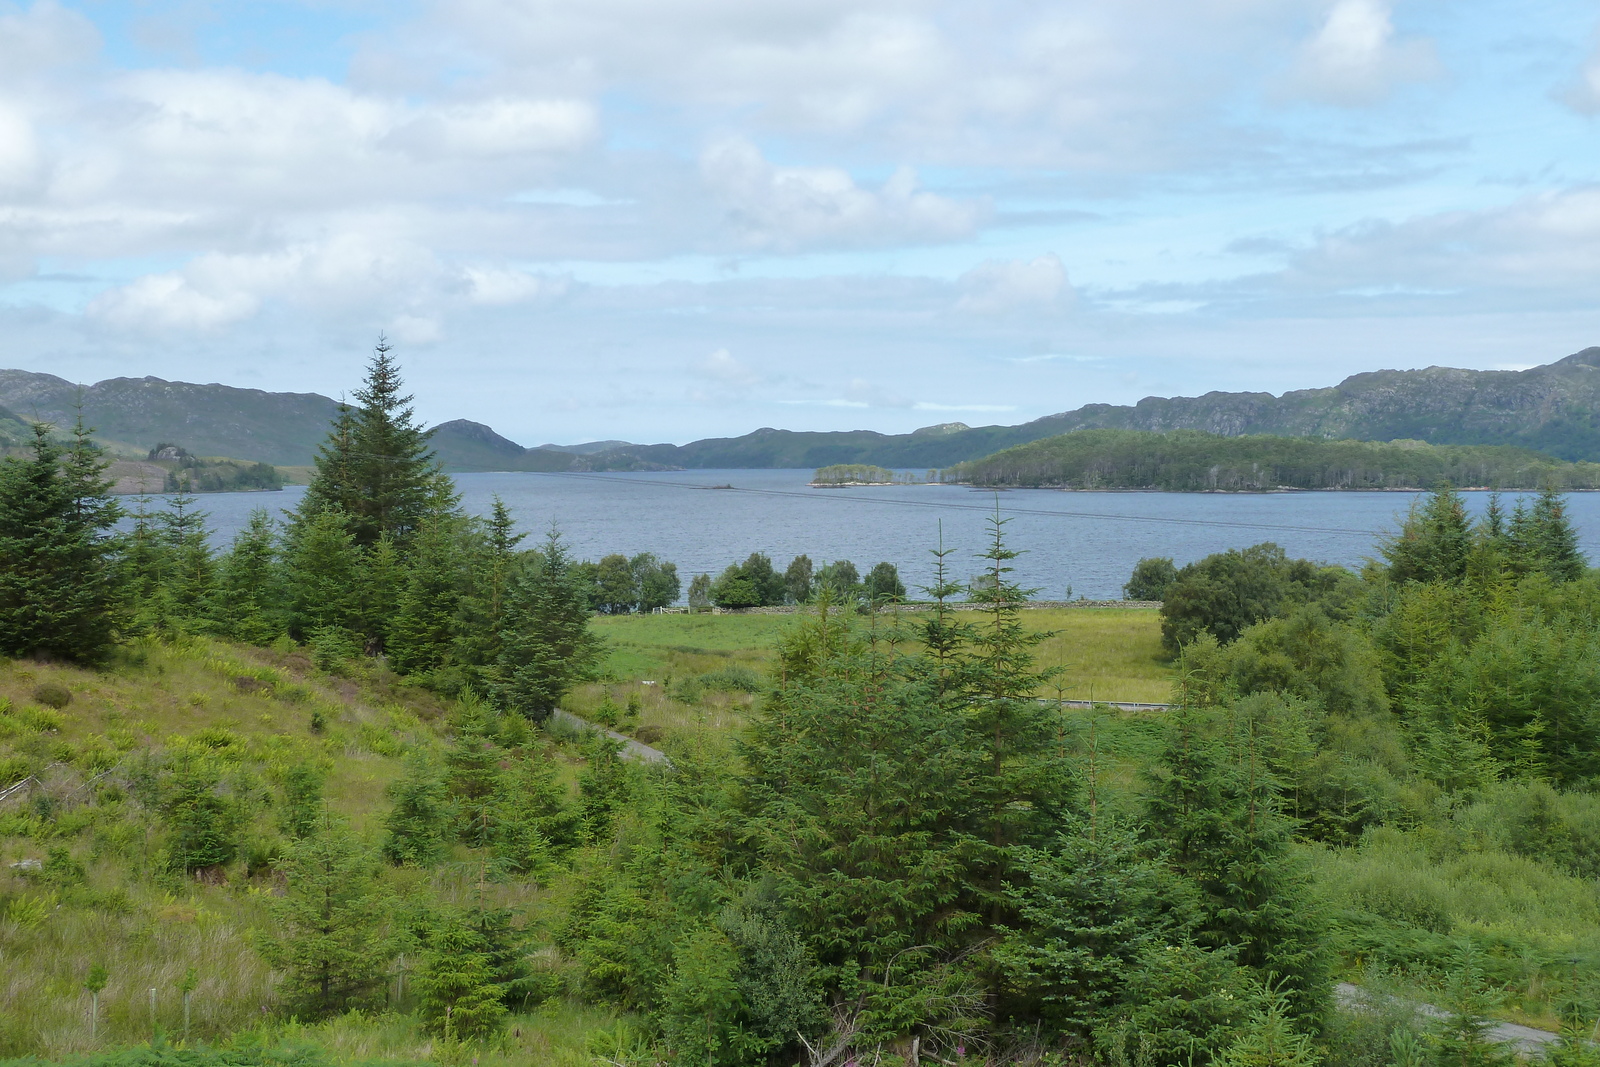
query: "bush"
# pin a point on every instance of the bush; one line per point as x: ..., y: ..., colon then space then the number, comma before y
x: 52, y: 694
x: 1150, y: 579
x: 733, y: 679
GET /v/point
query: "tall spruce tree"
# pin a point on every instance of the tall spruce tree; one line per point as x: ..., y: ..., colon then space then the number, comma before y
x: 57, y: 582
x: 376, y: 466
x: 1025, y: 784
x: 482, y: 606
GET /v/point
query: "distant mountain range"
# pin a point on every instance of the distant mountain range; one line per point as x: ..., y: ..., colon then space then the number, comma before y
x: 1553, y: 409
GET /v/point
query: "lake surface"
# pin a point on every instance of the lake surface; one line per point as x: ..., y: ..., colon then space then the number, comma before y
x: 1086, y: 541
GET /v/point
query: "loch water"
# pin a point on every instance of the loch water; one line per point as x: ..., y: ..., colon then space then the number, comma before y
x: 1087, y: 542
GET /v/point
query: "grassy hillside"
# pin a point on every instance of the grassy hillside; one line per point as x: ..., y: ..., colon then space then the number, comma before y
x: 82, y: 876
x: 1189, y: 461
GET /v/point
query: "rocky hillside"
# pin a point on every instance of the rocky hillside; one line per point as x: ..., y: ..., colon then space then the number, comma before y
x: 209, y: 420
x: 1553, y: 409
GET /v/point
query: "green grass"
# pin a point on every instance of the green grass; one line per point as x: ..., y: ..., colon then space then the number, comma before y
x: 1104, y: 653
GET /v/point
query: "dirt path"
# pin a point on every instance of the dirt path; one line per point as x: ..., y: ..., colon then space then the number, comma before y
x: 631, y: 749
x: 1517, y: 1037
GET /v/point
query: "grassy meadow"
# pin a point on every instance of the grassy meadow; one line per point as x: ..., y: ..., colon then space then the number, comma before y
x: 703, y: 672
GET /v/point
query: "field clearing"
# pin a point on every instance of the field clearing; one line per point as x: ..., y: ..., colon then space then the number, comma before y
x: 1103, y: 653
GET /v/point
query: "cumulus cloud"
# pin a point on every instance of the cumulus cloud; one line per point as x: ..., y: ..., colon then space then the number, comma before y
x: 1355, y: 58
x: 158, y: 303
x: 996, y: 286
x: 789, y: 208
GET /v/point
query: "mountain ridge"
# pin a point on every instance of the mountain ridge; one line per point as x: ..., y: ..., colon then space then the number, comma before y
x: 1553, y: 408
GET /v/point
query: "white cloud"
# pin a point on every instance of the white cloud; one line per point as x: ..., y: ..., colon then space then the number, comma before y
x: 1355, y: 58
x: 496, y: 286
x: 158, y: 303
x: 996, y: 286
x: 788, y: 208
x: 500, y: 127
x: 42, y: 39
x: 722, y: 367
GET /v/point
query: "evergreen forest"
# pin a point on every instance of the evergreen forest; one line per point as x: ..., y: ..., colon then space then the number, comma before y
x: 1194, y: 461
x: 307, y: 800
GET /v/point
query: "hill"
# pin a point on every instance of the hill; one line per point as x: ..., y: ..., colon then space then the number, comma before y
x: 1189, y: 460
x: 211, y: 420
x: 1553, y: 409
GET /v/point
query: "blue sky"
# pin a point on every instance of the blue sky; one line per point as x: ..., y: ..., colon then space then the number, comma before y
x: 671, y: 219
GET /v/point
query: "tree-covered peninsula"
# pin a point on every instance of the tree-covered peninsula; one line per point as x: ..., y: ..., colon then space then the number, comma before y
x: 1192, y: 461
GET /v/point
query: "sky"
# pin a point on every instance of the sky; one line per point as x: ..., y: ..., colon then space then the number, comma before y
x: 661, y: 220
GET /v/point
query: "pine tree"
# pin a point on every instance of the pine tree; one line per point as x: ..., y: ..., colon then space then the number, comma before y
x: 376, y: 466
x: 247, y: 604
x: 1218, y: 814
x: 1543, y: 541
x: 57, y: 583
x: 1025, y: 784
x: 1270, y: 1039
x: 329, y: 931
x: 456, y: 983
x: 382, y: 586
x: 1434, y: 543
x: 324, y: 575
x: 202, y: 820
x: 416, y: 825
x: 302, y: 810
x: 191, y: 571
x: 547, y: 645
x: 482, y: 606
x: 426, y: 617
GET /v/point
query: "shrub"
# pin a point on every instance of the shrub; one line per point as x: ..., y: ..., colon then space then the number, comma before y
x: 733, y: 679
x: 52, y: 694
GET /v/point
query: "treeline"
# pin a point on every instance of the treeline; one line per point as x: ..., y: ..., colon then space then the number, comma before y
x: 1191, y: 461
x: 379, y: 559
x: 852, y: 474
x: 210, y: 474
x: 756, y: 583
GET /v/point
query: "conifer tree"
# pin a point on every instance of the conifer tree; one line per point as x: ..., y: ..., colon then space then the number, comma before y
x: 382, y: 586
x: 415, y: 828
x: 376, y: 466
x: 1434, y: 542
x: 1218, y: 813
x: 547, y: 645
x: 202, y: 820
x: 329, y: 932
x: 247, y: 604
x: 57, y: 584
x: 302, y: 810
x: 456, y: 983
x: 191, y: 570
x: 1023, y: 784
x: 1542, y: 539
x: 426, y: 617
x: 324, y: 575
x: 482, y: 606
